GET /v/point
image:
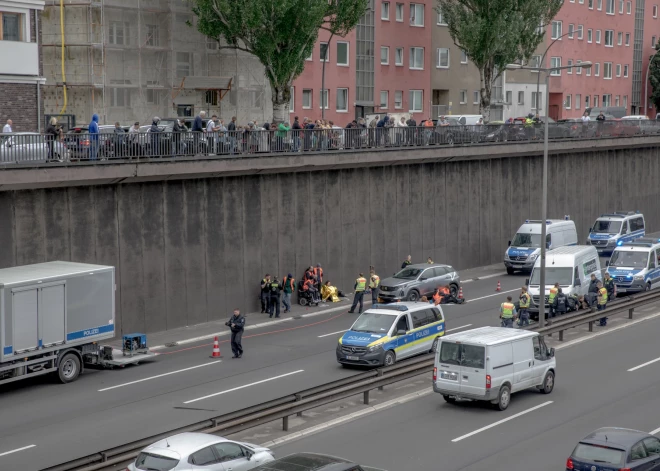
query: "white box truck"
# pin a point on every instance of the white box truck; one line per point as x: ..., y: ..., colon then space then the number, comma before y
x: 52, y: 316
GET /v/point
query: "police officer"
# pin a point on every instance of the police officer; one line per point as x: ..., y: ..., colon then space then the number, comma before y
x: 360, y: 286
x: 236, y: 324
x: 525, y: 300
x: 275, y: 290
x: 265, y: 290
x: 602, y: 303
x: 551, y: 298
x: 429, y: 261
x: 507, y: 313
x: 608, y: 284
x: 560, y: 303
x: 406, y: 262
x: 374, y: 285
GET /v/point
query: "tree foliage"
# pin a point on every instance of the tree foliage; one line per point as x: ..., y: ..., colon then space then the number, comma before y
x: 280, y: 33
x: 494, y: 33
x: 654, y: 78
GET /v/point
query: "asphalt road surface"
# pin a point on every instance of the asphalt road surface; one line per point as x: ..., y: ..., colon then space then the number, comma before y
x: 609, y: 381
x: 107, y: 408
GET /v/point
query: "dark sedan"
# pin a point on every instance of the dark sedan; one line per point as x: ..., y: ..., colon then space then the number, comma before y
x: 614, y: 449
x: 312, y: 462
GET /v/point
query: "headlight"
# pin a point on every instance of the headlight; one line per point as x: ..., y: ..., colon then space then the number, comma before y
x: 611, y: 242
x: 506, y: 255
x: 375, y: 348
x: 638, y: 277
x: 533, y: 257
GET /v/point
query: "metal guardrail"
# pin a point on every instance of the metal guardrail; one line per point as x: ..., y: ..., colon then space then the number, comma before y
x: 142, y: 144
x: 362, y: 383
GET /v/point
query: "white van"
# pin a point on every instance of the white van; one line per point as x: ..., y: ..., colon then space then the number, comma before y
x: 635, y: 266
x: 466, y: 119
x: 490, y: 363
x: 525, y: 247
x: 571, y: 267
x: 614, y: 229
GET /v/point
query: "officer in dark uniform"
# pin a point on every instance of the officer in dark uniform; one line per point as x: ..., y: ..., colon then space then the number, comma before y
x: 265, y: 291
x: 275, y: 290
x: 560, y: 304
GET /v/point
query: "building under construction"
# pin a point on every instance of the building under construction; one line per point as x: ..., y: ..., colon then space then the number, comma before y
x: 130, y: 60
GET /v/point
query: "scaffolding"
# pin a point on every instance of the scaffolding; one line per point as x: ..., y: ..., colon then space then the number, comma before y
x: 131, y: 60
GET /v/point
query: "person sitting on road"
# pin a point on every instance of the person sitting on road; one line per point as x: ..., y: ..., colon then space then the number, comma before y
x: 441, y: 295
x: 329, y: 292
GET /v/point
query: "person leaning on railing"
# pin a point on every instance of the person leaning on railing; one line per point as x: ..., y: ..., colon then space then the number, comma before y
x: 53, y: 133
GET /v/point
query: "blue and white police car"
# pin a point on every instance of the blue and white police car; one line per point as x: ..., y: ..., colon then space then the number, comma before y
x: 386, y: 333
x: 635, y: 266
x: 614, y: 229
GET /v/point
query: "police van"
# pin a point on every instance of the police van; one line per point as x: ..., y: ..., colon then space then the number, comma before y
x: 635, y: 266
x: 525, y: 247
x: 386, y: 333
x: 614, y: 229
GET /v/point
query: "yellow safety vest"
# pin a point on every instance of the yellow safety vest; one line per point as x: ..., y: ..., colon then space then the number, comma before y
x: 553, y: 294
x: 361, y: 284
x: 375, y: 281
x: 603, y: 296
x: 507, y: 310
x: 524, y: 304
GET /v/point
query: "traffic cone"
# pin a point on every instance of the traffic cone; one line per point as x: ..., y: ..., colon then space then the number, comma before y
x: 460, y: 293
x: 499, y: 287
x: 216, y: 348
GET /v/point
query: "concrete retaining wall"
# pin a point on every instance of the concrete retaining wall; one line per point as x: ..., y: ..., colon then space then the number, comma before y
x: 188, y: 251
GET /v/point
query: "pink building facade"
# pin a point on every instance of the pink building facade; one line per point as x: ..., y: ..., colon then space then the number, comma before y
x: 651, y: 37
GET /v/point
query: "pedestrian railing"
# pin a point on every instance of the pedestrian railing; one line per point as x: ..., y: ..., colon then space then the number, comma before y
x: 144, y: 144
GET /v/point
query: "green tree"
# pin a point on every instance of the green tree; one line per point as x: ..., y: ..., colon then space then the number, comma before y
x: 494, y: 33
x: 654, y: 78
x: 280, y: 33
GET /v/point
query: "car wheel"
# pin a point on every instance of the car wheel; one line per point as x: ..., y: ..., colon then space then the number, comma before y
x: 69, y: 368
x: 648, y: 287
x: 390, y: 358
x: 434, y: 347
x: 450, y: 400
x: 413, y: 296
x: 548, y: 383
x: 503, y: 398
x: 453, y: 290
x: 302, y: 301
x: 510, y: 271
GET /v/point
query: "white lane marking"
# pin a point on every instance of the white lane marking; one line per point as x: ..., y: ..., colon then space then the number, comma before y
x: 17, y: 450
x: 643, y: 365
x: 243, y: 387
x: 334, y: 333
x: 655, y: 431
x: 499, y: 293
x: 160, y: 376
x: 457, y: 328
x: 489, y: 276
x: 499, y: 422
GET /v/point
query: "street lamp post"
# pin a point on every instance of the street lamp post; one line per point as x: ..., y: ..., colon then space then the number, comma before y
x: 544, y: 197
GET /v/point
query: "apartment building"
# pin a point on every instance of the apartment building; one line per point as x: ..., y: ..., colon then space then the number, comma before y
x: 20, y: 65
x: 650, y: 37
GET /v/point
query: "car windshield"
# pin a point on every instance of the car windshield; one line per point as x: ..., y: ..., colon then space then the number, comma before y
x: 408, y: 274
x: 149, y: 462
x: 606, y: 227
x: 373, y: 323
x: 598, y: 454
x: 460, y: 354
x: 563, y: 276
x: 622, y: 258
x: 526, y: 240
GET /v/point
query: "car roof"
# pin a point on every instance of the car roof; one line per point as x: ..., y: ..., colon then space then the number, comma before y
x: 307, y: 462
x: 185, y: 443
x: 395, y: 309
x: 423, y: 266
x: 571, y: 250
x: 615, y: 436
x: 489, y: 335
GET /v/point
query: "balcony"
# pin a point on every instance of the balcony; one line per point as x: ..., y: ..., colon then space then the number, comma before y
x: 19, y: 58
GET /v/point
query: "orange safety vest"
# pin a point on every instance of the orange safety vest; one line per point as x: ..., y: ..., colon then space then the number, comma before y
x: 437, y: 298
x: 307, y: 285
x: 318, y: 272
x: 291, y: 282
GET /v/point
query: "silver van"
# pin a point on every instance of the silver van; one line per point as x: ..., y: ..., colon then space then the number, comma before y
x: 415, y: 281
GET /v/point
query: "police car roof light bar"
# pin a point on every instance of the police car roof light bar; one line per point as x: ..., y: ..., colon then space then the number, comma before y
x: 625, y: 213
x: 619, y: 216
x: 391, y: 307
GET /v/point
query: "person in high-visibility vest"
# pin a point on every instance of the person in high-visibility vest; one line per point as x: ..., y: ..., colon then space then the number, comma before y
x: 602, y: 302
x: 551, y: 299
x: 525, y: 300
x: 507, y: 313
x: 374, y: 286
x: 406, y: 262
x: 359, y: 287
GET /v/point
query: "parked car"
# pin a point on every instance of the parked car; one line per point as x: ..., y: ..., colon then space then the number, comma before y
x: 555, y: 130
x: 415, y: 281
x: 612, y: 448
x: 187, y: 451
x: 503, y: 133
x: 313, y: 462
x: 28, y: 146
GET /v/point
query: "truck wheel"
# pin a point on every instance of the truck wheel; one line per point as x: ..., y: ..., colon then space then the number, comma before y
x: 69, y: 368
x: 450, y: 400
x: 503, y: 398
x: 390, y: 358
x: 510, y: 271
x: 548, y: 383
x: 413, y: 296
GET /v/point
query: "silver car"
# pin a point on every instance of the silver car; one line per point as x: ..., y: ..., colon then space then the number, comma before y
x: 192, y: 451
x: 28, y: 146
x: 415, y: 281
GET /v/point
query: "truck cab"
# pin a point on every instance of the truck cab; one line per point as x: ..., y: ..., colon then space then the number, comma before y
x: 635, y: 265
x: 615, y: 229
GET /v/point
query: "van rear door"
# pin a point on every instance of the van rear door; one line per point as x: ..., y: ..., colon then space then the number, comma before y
x: 473, y: 370
x: 448, y: 364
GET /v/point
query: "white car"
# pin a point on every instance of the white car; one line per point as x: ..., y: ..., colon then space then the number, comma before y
x: 192, y: 451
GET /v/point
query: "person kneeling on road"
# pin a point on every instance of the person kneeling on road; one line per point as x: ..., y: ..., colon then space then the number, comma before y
x: 507, y: 313
x: 236, y: 324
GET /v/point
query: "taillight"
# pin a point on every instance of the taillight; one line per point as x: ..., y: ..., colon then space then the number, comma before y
x: 625, y: 469
x: 569, y: 464
x: 435, y: 374
x: 487, y: 381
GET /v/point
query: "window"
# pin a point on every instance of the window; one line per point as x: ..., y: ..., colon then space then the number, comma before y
x: 581, y: 2
x: 616, y: 101
x: 399, y: 12
x: 625, y: 101
x: 464, y: 57
x: 578, y: 101
x: 307, y: 99
x: 228, y: 451
x: 183, y: 68
x: 324, y: 52
x: 628, y: 7
x: 417, y: 58
x: 384, y: 98
x: 416, y: 14
x: 595, y: 101
x: 567, y: 102
x: 203, y: 457
x: 211, y: 97
x: 441, y: 20
x: 422, y: 317
x: 153, y: 95
x: 609, y: 9
x: 655, y: 11
x: 311, y: 56
x: 590, y: 35
x: 556, y: 29
x: 398, y: 99
x: 618, y: 70
x: 591, y: 4
x: 508, y: 97
x: 120, y: 97
x: 580, y: 31
x: 596, y: 69
x: 535, y: 62
x: 569, y: 64
x: 521, y: 98
x: 385, y: 11
x: 292, y: 99
x: 342, y: 99
x: 384, y: 55
x: 599, y: 5
x: 118, y: 32
x: 586, y: 101
x: 597, y: 36
x: 625, y: 70
x: 324, y: 98
x: 652, y: 445
x: 212, y: 44
x: 555, y: 62
x: 571, y: 28
x: 607, y: 70
x: 636, y: 224
x: 152, y: 36
x: 619, y: 38
x: 443, y: 58
x: 621, y: 7
x: 537, y: 100
x: 342, y: 53
x: 416, y: 101
x: 402, y: 324
x: 589, y: 72
x: 609, y: 38
x: 638, y: 452
x: 578, y: 69
x: 538, y: 351
x: 398, y: 56
x: 463, y: 97
x: 653, y: 40
x: 627, y: 39
x: 475, y: 97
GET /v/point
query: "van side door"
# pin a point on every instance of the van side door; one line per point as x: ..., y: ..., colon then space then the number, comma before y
x: 404, y: 343
x: 541, y: 360
x: 523, y: 364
